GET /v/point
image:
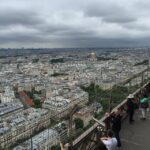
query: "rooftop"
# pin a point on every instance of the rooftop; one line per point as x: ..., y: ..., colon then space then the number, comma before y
x: 43, y: 137
x: 24, y: 117
x: 6, y: 108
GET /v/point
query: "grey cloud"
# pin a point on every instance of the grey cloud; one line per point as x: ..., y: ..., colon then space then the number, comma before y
x: 70, y: 23
x: 72, y: 41
x: 14, y: 17
x: 110, y: 12
x: 144, y: 4
x: 65, y: 31
x: 101, y: 42
x: 20, y: 38
x: 100, y: 9
x: 137, y: 26
x: 119, y: 18
x: 54, y: 29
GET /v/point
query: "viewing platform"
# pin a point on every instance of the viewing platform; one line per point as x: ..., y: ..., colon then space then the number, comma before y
x: 136, y: 136
x: 133, y: 136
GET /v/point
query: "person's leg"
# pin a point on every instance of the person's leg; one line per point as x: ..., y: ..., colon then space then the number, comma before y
x: 131, y: 116
x: 118, y: 138
x: 143, y: 111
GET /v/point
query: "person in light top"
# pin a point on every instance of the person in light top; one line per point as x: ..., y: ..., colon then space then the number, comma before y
x: 109, y: 141
x: 61, y: 146
x: 144, y: 105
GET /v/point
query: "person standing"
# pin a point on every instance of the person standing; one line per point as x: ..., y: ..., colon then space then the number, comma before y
x: 130, y: 107
x: 115, y: 118
x: 144, y: 105
x: 109, y: 141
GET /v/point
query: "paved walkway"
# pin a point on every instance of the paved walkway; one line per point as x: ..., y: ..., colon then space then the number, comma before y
x: 136, y: 136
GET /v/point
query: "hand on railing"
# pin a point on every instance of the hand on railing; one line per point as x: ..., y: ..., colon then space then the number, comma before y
x: 111, y: 114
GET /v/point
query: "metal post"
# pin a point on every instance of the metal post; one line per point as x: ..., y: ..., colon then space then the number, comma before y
x: 110, y: 99
x: 129, y: 87
x: 31, y: 143
x: 95, y: 91
x: 142, y: 79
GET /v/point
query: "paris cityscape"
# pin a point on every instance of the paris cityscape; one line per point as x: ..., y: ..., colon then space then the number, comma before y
x: 74, y: 75
x: 39, y: 91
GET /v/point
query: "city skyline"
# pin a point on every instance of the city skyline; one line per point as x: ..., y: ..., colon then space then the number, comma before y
x: 68, y: 23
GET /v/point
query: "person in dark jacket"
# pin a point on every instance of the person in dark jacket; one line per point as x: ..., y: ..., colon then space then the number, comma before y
x: 116, y: 125
x: 130, y: 107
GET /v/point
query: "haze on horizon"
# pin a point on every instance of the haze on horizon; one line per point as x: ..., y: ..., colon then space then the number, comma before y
x: 74, y: 23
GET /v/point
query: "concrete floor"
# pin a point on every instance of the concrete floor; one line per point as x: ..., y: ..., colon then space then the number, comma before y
x: 136, y: 136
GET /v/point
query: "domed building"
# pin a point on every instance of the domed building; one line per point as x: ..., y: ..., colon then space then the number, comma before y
x: 92, y: 56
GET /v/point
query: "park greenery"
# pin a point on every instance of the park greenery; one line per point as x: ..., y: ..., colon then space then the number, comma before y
x: 105, y: 58
x: 55, y: 147
x: 59, y: 74
x: 78, y: 123
x: 35, y: 60
x: 106, y: 97
x: 8, y: 148
x: 36, y: 102
x: 57, y: 60
x: 144, y: 62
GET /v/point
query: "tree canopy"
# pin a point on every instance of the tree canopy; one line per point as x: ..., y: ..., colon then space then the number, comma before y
x: 78, y: 123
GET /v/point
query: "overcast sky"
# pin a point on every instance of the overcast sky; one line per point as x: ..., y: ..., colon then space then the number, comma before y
x: 74, y: 23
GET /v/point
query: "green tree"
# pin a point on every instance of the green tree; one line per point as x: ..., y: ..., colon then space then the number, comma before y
x: 37, y: 103
x: 119, y: 94
x: 144, y: 62
x: 95, y: 93
x: 35, y: 60
x: 55, y: 147
x: 78, y: 123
